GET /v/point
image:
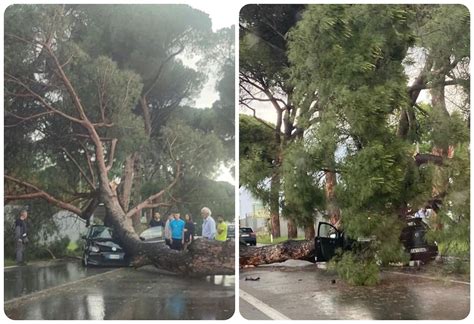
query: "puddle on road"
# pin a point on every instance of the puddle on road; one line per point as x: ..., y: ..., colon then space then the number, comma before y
x: 134, y: 295
x: 20, y: 281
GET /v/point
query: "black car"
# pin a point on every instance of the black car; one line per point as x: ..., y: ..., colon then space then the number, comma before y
x: 247, y: 236
x: 329, y: 239
x: 413, y: 239
x: 101, y: 249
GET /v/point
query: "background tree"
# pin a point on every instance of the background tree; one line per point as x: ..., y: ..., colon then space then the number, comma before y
x: 264, y: 78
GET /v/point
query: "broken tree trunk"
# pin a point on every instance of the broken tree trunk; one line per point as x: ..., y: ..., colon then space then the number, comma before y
x: 202, y: 258
x: 296, y: 250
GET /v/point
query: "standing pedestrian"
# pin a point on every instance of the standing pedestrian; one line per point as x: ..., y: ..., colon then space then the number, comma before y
x: 208, y: 224
x: 156, y: 221
x: 177, y: 232
x: 188, y: 230
x: 221, y: 229
x: 168, y: 230
x: 21, y: 237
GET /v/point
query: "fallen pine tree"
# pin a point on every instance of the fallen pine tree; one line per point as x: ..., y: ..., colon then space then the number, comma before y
x: 289, y: 250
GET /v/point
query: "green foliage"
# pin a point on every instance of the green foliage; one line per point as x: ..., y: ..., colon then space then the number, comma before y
x: 356, y: 271
x: 257, y: 149
x: 113, y: 55
x: 303, y: 193
x: 373, y: 178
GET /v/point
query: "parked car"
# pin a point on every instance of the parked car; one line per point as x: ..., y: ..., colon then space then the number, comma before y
x: 413, y: 239
x: 152, y: 235
x: 329, y: 239
x: 231, y: 231
x: 101, y: 249
x: 247, y: 236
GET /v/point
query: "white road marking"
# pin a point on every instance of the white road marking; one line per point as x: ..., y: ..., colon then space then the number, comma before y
x: 49, y: 290
x: 261, y: 306
x: 427, y: 277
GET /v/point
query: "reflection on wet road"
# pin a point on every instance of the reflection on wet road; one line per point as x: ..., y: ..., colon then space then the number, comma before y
x: 308, y: 293
x: 130, y: 294
x: 20, y: 281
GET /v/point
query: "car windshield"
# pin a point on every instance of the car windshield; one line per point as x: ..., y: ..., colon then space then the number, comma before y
x: 154, y: 232
x: 245, y: 230
x: 101, y: 232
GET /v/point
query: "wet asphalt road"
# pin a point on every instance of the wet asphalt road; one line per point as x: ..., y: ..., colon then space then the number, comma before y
x: 300, y: 291
x: 66, y: 291
x: 20, y: 281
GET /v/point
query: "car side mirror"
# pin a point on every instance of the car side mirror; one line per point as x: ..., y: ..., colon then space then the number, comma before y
x: 142, y: 238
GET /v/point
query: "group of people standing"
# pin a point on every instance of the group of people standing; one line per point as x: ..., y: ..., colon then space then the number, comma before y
x: 180, y: 233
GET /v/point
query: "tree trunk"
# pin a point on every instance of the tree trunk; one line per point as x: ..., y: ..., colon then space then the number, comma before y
x: 275, y: 203
x: 292, y: 229
x: 125, y: 188
x: 331, y: 206
x: 309, y: 232
x: 296, y: 250
x: 440, y: 177
x: 137, y: 221
x: 202, y: 258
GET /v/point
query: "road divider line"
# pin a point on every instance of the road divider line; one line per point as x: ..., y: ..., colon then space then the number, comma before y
x: 50, y: 289
x: 427, y: 277
x: 262, y: 307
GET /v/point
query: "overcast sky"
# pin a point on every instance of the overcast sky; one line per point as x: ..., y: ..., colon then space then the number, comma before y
x: 223, y: 14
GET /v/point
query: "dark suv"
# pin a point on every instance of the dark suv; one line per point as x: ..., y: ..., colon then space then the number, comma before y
x: 329, y: 239
x: 247, y: 236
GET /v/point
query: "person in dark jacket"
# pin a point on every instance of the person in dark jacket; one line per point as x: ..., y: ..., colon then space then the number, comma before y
x: 21, y: 237
x: 188, y: 230
x: 156, y: 221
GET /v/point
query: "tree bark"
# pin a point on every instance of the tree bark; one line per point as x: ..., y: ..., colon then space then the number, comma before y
x: 296, y: 250
x: 292, y: 229
x: 309, y: 232
x: 275, y: 204
x: 126, y: 184
x: 332, y: 208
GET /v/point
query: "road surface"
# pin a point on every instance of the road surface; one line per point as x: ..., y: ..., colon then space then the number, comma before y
x: 299, y: 290
x: 66, y: 291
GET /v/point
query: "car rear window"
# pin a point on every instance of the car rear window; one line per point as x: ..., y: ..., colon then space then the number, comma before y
x: 246, y: 230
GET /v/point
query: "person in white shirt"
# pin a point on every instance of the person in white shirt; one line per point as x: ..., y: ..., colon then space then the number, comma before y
x: 208, y: 224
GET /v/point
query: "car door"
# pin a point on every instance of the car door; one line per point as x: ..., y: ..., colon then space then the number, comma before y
x: 327, y: 241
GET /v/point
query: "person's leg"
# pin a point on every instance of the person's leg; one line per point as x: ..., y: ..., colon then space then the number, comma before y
x: 19, y: 252
x: 174, y: 244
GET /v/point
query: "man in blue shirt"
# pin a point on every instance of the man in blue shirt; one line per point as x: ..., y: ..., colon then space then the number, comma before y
x: 177, y: 232
x: 208, y: 224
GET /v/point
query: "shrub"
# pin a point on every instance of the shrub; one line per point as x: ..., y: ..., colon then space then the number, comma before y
x: 356, y: 270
